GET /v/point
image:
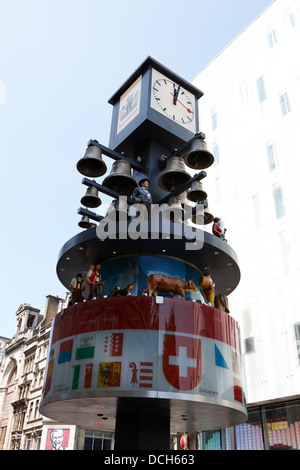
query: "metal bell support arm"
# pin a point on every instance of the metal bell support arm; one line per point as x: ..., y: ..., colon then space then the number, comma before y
x: 105, y: 190
x: 180, y: 152
x: 186, y: 185
x: 116, y: 156
x: 91, y: 215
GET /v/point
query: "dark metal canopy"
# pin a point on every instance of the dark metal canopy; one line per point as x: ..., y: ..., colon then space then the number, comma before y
x: 215, y: 257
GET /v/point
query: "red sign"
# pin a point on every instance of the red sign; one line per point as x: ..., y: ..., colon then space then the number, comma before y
x: 182, y: 364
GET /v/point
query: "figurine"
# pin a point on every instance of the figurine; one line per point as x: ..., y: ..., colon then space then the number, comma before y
x: 117, y: 292
x: 217, y: 230
x: 93, y: 279
x: 77, y: 287
x: 208, y: 287
x: 165, y: 284
x: 141, y: 195
x: 221, y: 302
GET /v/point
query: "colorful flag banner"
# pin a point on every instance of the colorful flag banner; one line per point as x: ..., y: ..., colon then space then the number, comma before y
x: 220, y: 361
x: 109, y: 374
x: 86, y: 349
x: 87, y: 380
x: 113, y: 344
x: 48, y: 380
x: 65, y: 351
x: 140, y: 374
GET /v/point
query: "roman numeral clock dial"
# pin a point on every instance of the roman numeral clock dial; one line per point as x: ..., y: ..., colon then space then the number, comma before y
x: 173, y: 101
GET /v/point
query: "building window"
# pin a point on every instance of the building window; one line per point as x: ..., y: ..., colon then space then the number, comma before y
x: 216, y: 154
x: 261, y: 89
x: 284, y: 104
x: 279, y: 203
x: 272, y: 38
x: 249, y: 435
x: 271, y: 157
x: 297, y: 334
x: 97, y: 441
x: 214, y: 119
x: 283, y: 426
x: 249, y: 345
x: 292, y: 20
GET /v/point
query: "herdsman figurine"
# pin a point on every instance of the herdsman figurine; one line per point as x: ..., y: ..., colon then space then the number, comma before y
x: 77, y: 287
x: 93, y: 279
x: 141, y: 195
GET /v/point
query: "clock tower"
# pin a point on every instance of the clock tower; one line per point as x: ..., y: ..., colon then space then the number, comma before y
x: 147, y: 346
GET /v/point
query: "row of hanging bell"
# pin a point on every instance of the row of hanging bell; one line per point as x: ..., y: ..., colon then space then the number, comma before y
x: 119, y: 179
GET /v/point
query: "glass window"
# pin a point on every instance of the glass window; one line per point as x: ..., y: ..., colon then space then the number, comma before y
x: 272, y: 38
x: 271, y: 157
x: 284, y: 104
x: 249, y: 345
x: 283, y: 425
x: 211, y: 440
x: 214, y: 119
x: 297, y: 334
x: 249, y: 435
x: 260, y: 84
x: 292, y: 20
x: 279, y: 203
x: 97, y: 441
x: 216, y: 154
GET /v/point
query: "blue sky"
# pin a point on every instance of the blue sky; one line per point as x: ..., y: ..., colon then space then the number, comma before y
x: 60, y: 62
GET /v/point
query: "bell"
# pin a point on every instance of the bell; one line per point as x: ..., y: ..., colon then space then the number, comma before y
x: 118, y: 206
x: 185, y: 204
x: 208, y: 217
x: 174, y: 212
x: 120, y: 179
x: 85, y: 222
x: 92, y: 164
x: 196, y: 193
x: 198, y: 218
x: 91, y: 198
x: 198, y: 157
x: 175, y: 174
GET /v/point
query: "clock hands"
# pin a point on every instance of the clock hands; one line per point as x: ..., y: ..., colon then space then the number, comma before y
x: 176, y: 93
x: 176, y: 99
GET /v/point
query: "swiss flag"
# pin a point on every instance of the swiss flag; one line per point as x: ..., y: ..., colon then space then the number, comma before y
x: 182, y: 362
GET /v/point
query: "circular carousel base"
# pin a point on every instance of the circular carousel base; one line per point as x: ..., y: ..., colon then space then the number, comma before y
x: 182, y: 356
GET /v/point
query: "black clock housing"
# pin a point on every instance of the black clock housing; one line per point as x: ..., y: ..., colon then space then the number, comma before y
x: 149, y: 124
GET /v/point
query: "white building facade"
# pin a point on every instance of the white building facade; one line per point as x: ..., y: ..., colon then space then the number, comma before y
x: 251, y: 117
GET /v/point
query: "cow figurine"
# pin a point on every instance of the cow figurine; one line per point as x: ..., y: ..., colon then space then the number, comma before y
x: 166, y: 284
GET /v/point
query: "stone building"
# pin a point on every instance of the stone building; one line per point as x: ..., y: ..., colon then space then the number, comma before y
x: 22, y: 366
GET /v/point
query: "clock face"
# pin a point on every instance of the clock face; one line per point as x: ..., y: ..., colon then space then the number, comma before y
x: 173, y: 101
